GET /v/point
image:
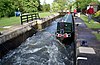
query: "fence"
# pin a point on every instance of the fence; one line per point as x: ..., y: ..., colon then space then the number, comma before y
x: 28, y: 17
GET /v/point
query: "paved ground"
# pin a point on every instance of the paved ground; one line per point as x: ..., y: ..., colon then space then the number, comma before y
x: 90, y: 53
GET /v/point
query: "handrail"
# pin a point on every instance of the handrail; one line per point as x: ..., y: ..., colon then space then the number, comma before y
x: 28, y: 17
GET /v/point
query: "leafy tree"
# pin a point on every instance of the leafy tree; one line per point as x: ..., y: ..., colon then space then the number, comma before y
x: 99, y: 6
x: 64, y: 4
x: 46, y: 7
x: 55, y: 6
x: 27, y: 5
x: 30, y: 5
x: 61, y: 4
x: 17, y: 5
x: 6, y: 8
x: 83, y: 3
x: 40, y: 6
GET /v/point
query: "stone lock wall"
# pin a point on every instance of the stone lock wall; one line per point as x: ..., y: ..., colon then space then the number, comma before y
x: 12, y: 38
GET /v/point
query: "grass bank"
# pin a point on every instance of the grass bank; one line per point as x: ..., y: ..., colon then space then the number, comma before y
x: 92, y: 25
x: 5, y: 21
x: 44, y: 14
x: 97, y: 35
x: 9, y: 21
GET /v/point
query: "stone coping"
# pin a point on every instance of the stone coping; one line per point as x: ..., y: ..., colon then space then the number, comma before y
x: 14, y: 31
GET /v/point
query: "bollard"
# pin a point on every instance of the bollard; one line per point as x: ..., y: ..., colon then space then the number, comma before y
x: 0, y: 33
x: 84, y: 43
x: 98, y: 31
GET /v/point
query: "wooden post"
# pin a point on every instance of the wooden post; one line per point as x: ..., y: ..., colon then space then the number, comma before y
x: 32, y: 16
x: 35, y: 15
x: 21, y: 19
x: 27, y: 18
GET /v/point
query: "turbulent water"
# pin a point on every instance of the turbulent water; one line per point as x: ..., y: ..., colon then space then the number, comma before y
x: 40, y: 49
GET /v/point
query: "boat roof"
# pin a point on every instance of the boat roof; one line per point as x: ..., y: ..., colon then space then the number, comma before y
x: 67, y: 18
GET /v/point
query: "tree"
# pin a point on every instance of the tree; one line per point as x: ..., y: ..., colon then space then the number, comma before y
x: 46, y: 7
x: 61, y: 4
x: 27, y: 5
x: 17, y: 5
x: 30, y: 5
x: 83, y: 3
x: 6, y: 8
x: 55, y: 6
x: 40, y: 6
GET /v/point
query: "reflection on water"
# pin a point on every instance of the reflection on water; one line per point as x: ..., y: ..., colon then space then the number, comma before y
x: 40, y: 49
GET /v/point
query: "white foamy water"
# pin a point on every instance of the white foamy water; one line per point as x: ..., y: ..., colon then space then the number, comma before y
x: 40, y: 49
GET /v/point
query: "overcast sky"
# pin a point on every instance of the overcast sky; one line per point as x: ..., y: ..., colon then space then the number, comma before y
x: 50, y: 1
x: 47, y: 1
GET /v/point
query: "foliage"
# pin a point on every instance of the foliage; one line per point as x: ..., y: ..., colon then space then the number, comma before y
x: 8, y: 7
x: 40, y: 6
x: 83, y: 3
x: 30, y: 5
x: 99, y: 5
x: 97, y: 14
x: 17, y: 5
x: 46, y: 7
x: 59, y: 5
x: 55, y: 6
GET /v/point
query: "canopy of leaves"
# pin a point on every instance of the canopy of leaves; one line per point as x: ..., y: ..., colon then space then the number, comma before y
x: 59, y: 5
x: 8, y: 7
x: 84, y: 3
x: 64, y: 4
x: 55, y: 6
x: 46, y: 7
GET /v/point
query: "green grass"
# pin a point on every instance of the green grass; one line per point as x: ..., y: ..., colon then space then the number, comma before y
x: 16, y: 20
x: 5, y: 21
x: 9, y: 21
x: 92, y: 24
x: 44, y: 14
x: 97, y: 35
x: 1, y: 29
